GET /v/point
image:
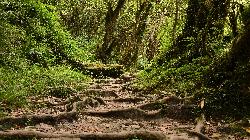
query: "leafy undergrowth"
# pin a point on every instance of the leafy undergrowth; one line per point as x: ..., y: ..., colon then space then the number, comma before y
x: 16, y: 85
x: 201, y: 79
x: 180, y: 79
x: 109, y: 109
x: 34, y: 49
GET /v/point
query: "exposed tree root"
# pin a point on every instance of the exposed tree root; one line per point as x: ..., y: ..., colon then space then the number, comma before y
x: 171, y: 100
x: 100, y: 92
x: 199, y: 129
x: 182, y: 112
x: 160, y: 109
x: 72, y: 115
x: 103, y: 81
x: 81, y: 105
x: 61, y: 103
x: 195, y: 133
x: 100, y: 100
x: 76, y: 105
x: 147, y: 135
x: 129, y: 99
x: 199, y: 135
x: 171, y: 111
x: 132, y: 113
x: 35, y: 119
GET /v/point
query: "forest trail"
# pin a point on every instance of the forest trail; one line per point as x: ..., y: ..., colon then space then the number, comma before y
x: 108, y: 109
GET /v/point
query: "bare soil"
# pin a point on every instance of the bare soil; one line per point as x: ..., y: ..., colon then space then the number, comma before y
x: 110, y: 109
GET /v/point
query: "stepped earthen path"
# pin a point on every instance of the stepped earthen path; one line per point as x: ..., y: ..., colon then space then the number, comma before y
x: 109, y: 109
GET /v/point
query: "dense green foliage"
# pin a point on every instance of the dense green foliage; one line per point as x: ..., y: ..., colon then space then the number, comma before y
x: 217, y: 72
x: 191, y: 48
x: 38, y: 32
x: 16, y: 85
x: 33, y: 44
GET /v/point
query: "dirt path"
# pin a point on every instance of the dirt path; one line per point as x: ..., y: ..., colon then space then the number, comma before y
x: 108, y: 109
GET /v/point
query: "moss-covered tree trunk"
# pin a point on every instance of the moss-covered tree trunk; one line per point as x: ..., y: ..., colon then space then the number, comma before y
x: 104, y: 51
x: 141, y: 17
x: 229, y: 78
x: 204, y: 24
x: 176, y: 18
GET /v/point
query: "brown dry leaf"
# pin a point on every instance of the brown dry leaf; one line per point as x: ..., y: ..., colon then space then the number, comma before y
x: 202, y: 103
x: 247, y: 129
x: 216, y: 135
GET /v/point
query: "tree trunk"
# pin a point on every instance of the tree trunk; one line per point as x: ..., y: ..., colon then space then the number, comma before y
x: 103, y: 52
x: 236, y: 9
x: 176, y: 18
x: 205, y: 19
x: 141, y: 17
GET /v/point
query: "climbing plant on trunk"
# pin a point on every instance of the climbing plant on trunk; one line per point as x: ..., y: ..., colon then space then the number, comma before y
x: 204, y: 24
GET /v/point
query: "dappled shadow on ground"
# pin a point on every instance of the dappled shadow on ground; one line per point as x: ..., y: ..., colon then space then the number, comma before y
x: 108, y: 109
